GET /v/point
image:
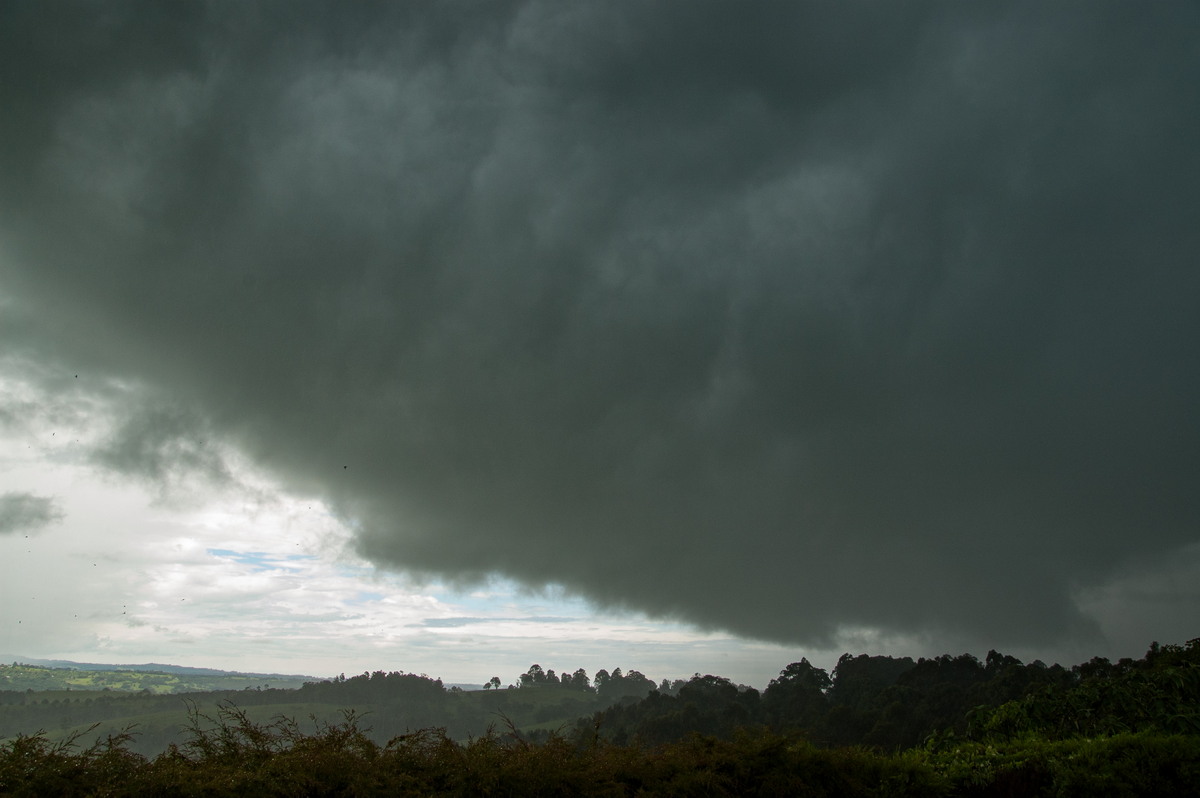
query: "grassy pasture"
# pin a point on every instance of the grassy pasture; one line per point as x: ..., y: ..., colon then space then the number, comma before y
x: 21, y: 677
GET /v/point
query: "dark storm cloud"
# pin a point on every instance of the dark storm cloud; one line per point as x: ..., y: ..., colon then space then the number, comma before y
x: 780, y: 318
x: 27, y: 512
x: 163, y: 445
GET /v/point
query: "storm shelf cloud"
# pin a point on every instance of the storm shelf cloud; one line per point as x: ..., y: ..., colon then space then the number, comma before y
x: 785, y: 318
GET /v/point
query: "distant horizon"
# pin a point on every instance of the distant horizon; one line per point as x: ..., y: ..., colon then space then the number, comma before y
x: 148, y: 666
x: 136, y: 666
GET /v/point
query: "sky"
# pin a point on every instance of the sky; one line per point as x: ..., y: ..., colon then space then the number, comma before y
x: 679, y: 336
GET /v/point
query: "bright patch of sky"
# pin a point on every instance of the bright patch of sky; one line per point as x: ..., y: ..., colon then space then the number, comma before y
x: 239, y: 575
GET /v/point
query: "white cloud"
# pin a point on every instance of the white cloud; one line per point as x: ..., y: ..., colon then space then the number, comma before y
x: 238, y: 574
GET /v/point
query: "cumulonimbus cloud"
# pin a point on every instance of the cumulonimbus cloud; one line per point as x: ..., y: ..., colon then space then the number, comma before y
x: 782, y: 319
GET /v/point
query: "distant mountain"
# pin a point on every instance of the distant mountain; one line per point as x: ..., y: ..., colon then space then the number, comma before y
x: 149, y: 667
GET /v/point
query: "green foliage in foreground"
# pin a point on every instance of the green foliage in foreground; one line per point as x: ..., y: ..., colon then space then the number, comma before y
x: 233, y: 755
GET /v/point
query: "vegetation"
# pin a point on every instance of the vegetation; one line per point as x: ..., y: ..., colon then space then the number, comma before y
x: 1158, y: 693
x: 19, y: 676
x: 891, y: 704
x: 235, y: 756
x: 948, y: 726
x: 396, y: 702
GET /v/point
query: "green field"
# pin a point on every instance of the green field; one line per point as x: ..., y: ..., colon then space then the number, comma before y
x: 21, y: 677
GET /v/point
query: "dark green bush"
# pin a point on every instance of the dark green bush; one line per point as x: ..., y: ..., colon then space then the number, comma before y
x: 230, y: 755
x: 1123, y: 765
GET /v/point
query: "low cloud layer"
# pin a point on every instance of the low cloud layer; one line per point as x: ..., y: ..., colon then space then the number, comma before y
x: 27, y: 512
x: 785, y: 319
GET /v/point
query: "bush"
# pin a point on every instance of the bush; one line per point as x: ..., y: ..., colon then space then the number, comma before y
x: 230, y: 755
x: 1123, y: 765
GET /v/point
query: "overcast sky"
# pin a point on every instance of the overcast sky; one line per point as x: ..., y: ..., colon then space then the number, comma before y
x: 676, y: 335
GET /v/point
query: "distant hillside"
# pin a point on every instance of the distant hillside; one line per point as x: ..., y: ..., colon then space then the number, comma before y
x: 23, y: 674
x: 153, y: 667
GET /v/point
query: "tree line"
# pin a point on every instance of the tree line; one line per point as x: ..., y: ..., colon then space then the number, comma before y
x: 612, y: 685
x: 890, y: 703
x: 880, y: 702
